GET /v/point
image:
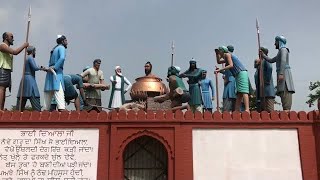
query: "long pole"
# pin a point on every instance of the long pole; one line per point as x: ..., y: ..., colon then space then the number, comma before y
x: 25, y: 59
x: 217, y: 90
x: 172, y: 52
x: 261, y: 79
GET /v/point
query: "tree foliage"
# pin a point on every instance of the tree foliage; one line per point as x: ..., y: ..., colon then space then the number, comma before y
x: 253, y: 102
x: 314, y: 95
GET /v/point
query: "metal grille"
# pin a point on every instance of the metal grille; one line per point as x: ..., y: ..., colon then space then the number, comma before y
x: 145, y: 158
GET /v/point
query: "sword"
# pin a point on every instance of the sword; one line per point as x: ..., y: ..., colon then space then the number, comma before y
x: 53, y: 72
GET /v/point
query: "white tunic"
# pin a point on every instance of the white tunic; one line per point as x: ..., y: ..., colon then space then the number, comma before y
x: 116, y: 100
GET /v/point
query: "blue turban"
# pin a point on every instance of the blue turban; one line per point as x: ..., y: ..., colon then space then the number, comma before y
x: 282, y: 41
x: 30, y: 49
x: 223, y: 49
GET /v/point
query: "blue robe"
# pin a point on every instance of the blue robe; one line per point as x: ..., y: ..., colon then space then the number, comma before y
x: 229, y: 90
x: 269, y: 90
x: 69, y: 81
x: 58, y: 56
x: 206, y: 84
x: 30, y: 87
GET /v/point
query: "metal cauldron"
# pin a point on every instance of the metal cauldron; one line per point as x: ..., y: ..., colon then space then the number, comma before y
x: 147, y: 86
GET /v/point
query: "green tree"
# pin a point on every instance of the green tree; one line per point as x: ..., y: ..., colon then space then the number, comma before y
x: 253, y: 101
x: 314, y: 88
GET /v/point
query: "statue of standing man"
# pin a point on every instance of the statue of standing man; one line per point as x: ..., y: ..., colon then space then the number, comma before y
x: 6, y: 64
x: 194, y: 76
x: 285, y: 86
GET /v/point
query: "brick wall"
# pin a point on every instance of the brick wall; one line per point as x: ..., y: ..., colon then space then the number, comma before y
x: 174, y: 131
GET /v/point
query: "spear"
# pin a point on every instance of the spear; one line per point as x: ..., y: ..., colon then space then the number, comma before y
x: 172, y: 52
x: 217, y: 90
x: 25, y: 58
x: 261, y: 79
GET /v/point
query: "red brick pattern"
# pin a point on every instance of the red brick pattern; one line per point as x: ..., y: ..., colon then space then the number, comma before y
x: 93, y: 116
x: 174, y: 131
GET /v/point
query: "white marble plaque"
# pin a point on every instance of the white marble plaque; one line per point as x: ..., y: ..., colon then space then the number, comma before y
x: 234, y: 154
x: 48, y: 154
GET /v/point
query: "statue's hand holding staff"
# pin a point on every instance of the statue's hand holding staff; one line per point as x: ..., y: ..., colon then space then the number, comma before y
x: 42, y: 68
x: 217, y: 70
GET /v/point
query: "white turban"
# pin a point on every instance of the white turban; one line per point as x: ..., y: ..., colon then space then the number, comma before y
x: 178, y: 68
x: 119, y: 73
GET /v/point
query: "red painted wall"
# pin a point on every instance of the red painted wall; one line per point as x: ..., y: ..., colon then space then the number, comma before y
x: 174, y: 131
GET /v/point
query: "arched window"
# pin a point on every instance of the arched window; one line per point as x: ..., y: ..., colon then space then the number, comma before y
x: 145, y: 158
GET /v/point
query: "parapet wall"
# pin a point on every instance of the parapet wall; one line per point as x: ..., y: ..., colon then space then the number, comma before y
x: 174, y: 130
x: 166, y: 116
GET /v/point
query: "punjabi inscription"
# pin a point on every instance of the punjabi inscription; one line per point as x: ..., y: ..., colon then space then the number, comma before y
x: 48, y: 154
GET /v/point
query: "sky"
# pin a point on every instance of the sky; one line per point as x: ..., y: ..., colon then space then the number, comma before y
x: 131, y: 32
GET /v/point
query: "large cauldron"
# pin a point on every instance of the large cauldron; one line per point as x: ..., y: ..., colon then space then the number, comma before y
x: 147, y: 86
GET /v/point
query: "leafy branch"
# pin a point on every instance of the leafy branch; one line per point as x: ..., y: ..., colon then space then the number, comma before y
x: 314, y: 87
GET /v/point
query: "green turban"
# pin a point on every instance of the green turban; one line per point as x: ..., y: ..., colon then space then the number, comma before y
x: 173, y: 70
x: 264, y: 50
x: 223, y: 49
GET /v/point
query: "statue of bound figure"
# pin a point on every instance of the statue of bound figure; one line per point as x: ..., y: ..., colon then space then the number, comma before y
x: 147, y: 86
x: 144, y: 89
x: 178, y: 93
x: 149, y: 93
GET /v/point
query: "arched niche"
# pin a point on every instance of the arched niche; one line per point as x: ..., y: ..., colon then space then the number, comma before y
x: 145, y: 158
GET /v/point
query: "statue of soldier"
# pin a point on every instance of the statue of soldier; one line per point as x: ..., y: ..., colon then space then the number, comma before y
x: 178, y: 92
x: 285, y: 86
x: 194, y: 76
x: 269, y: 91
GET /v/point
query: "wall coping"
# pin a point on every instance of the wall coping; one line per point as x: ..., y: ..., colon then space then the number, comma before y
x: 160, y: 116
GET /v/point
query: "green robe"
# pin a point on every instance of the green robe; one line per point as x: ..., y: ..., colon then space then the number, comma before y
x: 194, y: 77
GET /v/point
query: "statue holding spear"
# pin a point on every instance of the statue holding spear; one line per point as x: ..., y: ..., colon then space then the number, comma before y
x: 265, y: 92
x: 6, y: 63
x: 29, y: 91
x: 28, y: 87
